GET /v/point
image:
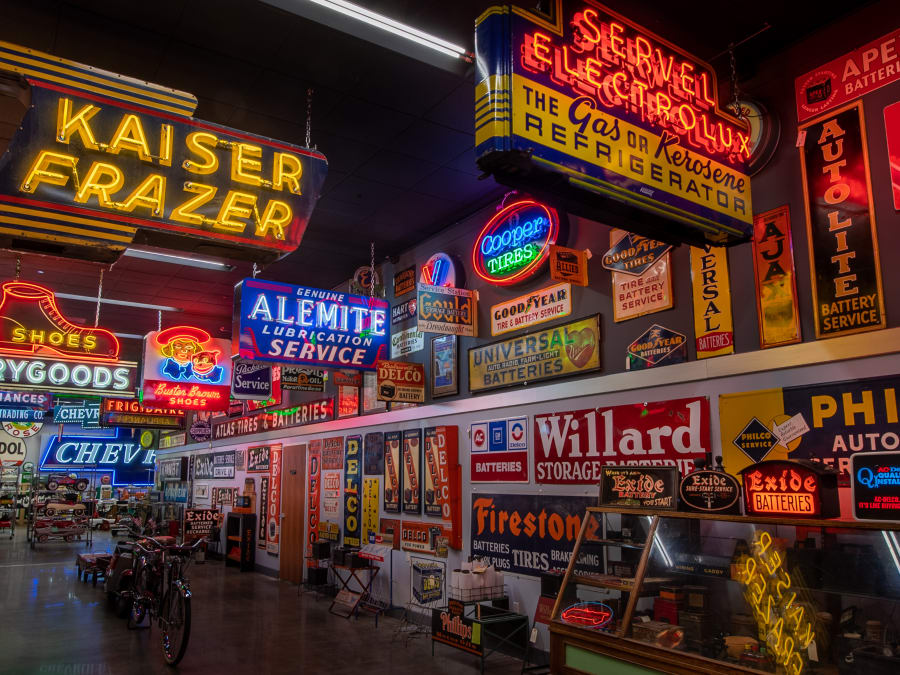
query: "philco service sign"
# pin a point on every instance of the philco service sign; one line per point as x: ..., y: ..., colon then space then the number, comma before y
x: 106, y: 169
x: 617, y: 109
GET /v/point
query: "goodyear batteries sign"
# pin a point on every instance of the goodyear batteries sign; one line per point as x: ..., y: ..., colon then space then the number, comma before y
x: 618, y: 110
x: 298, y: 325
x: 102, y: 156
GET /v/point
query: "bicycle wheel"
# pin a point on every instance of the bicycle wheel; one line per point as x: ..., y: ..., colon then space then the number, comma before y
x: 176, y: 627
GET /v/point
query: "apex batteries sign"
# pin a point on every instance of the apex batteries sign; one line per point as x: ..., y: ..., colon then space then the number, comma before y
x: 110, y: 170
x: 572, y: 447
x: 121, y: 455
x: 300, y: 325
x: 621, y: 112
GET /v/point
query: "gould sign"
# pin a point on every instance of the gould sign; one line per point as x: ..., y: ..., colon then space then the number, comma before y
x: 619, y: 111
x: 101, y: 157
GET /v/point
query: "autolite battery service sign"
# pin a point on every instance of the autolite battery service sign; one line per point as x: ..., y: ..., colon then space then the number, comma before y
x: 571, y: 447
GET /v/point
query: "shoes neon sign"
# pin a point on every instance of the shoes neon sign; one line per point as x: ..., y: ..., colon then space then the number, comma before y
x: 41, y: 349
x: 186, y: 368
x: 514, y: 244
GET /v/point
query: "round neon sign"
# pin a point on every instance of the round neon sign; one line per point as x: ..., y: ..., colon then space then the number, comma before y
x: 515, y: 242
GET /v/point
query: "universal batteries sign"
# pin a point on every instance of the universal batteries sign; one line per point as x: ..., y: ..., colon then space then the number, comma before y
x: 298, y: 325
x: 104, y: 155
x: 596, y: 97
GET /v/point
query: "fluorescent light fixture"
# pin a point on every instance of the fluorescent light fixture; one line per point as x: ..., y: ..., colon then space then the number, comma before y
x: 189, y: 261
x: 129, y: 336
x: 120, y: 303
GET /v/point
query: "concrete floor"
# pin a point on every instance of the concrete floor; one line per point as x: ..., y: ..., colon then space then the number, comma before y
x: 50, y: 622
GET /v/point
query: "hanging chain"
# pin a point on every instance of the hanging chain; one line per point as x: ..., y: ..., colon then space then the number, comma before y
x: 371, y: 269
x: 99, y: 296
x: 158, y: 320
x: 505, y: 197
x: 735, y: 88
x: 255, y: 270
x: 18, y: 266
x: 309, y: 95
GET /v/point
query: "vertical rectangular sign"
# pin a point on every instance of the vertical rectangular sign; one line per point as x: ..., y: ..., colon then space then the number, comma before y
x: 313, y: 471
x: 443, y: 478
x: 370, y: 508
x: 892, y: 131
x: 840, y: 224
x: 263, y: 511
x: 393, y: 474
x: 713, y: 324
x: 352, y: 493
x: 273, y: 535
x: 412, y: 463
x: 776, y: 283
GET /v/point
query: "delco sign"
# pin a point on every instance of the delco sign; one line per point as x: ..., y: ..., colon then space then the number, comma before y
x: 514, y: 244
x: 590, y: 104
x: 291, y: 324
x: 572, y: 447
x: 121, y: 455
x: 103, y: 155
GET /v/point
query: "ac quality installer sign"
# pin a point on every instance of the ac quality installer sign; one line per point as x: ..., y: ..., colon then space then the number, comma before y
x: 292, y: 324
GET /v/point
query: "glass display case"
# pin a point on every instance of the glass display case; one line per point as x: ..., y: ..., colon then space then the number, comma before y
x: 694, y: 592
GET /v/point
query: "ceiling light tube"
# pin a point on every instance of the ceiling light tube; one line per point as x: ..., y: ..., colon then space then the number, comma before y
x: 120, y: 303
x: 177, y: 259
x: 395, y: 27
x: 129, y: 336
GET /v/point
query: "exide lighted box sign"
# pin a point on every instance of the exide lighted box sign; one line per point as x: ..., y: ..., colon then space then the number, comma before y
x: 123, y: 456
x: 596, y: 109
x: 798, y: 489
x: 185, y: 368
x: 292, y: 324
x: 514, y: 244
x: 41, y: 349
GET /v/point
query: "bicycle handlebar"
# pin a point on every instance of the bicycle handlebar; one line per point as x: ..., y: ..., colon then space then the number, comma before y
x: 171, y: 548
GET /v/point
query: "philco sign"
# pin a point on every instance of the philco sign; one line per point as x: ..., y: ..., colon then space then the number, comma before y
x: 109, y: 168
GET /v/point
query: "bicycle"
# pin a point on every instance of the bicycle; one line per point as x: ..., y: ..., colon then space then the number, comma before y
x: 162, y: 591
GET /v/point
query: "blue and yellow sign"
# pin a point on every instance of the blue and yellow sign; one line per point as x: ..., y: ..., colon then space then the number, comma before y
x: 617, y: 110
x: 99, y: 157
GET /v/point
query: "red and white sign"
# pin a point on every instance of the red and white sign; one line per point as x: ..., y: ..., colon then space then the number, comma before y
x: 571, y: 447
x: 442, y: 478
x: 273, y: 524
x: 848, y: 77
x: 420, y: 537
x: 892, y: 131
x: 314, y: 474
x: 499, y: 451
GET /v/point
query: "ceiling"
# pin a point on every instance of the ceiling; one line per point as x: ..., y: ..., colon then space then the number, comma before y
x: 398, y: 133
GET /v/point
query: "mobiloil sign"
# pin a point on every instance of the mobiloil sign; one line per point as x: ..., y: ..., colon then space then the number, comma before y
x: 122, y: 455
x: 590, y: 105
x: 300, y: 325
x: 41, y: 349
x: 99, y: 157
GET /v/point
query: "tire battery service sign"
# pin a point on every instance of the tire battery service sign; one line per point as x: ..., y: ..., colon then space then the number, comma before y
x: 547, y: 304
x: 298, y: 325
x: 572, y: 447
x: 641, y: 275
x: 827, y: 423
x: 499, y: 451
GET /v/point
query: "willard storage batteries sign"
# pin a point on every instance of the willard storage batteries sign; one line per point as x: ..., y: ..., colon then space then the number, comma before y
x: 572, y: 447
x: 299, y: 325
x: 621, y: 112
x: 528, y: 534
x: 826, y: 423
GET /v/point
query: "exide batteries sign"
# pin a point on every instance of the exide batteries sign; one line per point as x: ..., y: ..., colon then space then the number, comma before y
x: 571, y: 447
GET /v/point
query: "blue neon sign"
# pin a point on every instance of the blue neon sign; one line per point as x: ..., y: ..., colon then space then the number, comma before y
x: 121, y: 455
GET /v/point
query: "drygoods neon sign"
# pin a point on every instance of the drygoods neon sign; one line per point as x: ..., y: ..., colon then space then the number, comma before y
x: 515, y: 242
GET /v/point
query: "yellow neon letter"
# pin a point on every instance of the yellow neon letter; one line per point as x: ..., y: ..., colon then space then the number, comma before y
x: 185, y: 212
x: 151, y: 194
x: 165, y: 145
x: 246, y: 157
x: 68, y: 124
x: 101, y: 180
x: 130, y: 136
x: 275, y: 217
x: 40, y: 170
x: 202, y: 144
x: 287, y: 169
x: 236, y: 205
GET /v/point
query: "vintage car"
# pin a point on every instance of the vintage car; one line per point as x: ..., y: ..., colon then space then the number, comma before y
x: 78, y: 484
x: 54, y: 508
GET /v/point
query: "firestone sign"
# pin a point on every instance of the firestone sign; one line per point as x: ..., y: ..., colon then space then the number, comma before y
x: 618, y: 111
x: 297, y: 325
x: 104, y: 155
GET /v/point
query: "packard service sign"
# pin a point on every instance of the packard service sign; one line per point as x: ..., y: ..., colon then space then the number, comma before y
x: 298, y: 325
x: 619, y: 111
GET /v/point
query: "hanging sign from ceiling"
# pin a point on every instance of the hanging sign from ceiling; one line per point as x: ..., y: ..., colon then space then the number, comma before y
x: 441, y: 270
x: 121, y: 412
x: 515, y: 242
x: 619, y: 112
x: 130, y: 461
x: 41, y: 349
x: 185, y: 368
x: 291, y: 324
x: 101, y: 158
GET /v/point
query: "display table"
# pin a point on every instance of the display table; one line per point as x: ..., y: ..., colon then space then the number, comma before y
x: 479, y: 629
x: 347, y: 601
